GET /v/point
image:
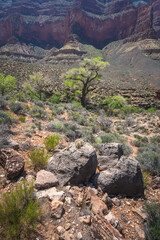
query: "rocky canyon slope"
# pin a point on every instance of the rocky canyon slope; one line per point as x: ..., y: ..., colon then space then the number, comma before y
x: 98, y: 22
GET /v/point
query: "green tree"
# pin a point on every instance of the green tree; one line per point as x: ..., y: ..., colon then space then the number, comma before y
x: 37, y: 84
x: 7, y: 83
x: 84, y: 79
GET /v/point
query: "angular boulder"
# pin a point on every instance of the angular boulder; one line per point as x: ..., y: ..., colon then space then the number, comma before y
x: 74, y: 165
x: 12, y: 162
x: 45, y: 179
x: 125, y: 177
x: 108, y: 154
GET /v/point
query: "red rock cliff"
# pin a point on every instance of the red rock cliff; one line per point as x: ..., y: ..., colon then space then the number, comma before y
x: 99, y: 22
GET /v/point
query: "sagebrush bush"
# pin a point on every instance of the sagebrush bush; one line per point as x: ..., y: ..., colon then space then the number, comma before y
x: 153, y: 220
x: 17, y: 107
x: 37, y: 112
x: 150, y: 161
x: 57, y: 109
x: 5, y: 118
x: 19, y: 212
x: 51, y: 142
x: 112, y: 137
x: 3, y: 103
x: 39, y: 158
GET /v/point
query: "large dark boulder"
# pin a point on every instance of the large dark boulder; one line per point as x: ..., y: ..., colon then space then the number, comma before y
x: 125, y: 177
x: 108, y: 153
x: 75, y: 164
x: 12, y: 162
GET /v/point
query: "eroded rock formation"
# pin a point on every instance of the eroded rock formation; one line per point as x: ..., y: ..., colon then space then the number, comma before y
x: 52, y: 23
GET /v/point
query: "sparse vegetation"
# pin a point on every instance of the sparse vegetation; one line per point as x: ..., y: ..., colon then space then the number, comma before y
x: 39, y: 158
x: 38, y: 112
x: 7, y: 84
x: 5, y: 118
x: 153, y: 220
x: 51, y: 142
x: 19, y: 212
x: 17, y: 107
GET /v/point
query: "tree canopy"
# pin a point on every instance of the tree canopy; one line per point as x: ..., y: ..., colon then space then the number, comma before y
x: 85, y: 79
x: 7, y: 83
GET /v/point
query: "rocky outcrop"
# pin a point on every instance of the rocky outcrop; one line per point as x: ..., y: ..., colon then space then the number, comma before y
x: 124, y: 177
x: 51, y: 23
x: 74, y: 164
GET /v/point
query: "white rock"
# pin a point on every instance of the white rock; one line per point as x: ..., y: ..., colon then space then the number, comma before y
x: 51, y: 193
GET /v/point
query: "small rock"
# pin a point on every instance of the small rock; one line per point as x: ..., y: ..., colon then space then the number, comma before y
x: 116, y: 202
x: 57, y: 210
x: 98, y: 206
x: 114, y: 222
x: 85, y: 219
x: 79, y: 235
x: 45, y: 180
x: 123, y: 217
x: 30, y: 178
x: 140, y: 213
x: 67, y: 226
x: 107, y: 200
x: 51, y: 193
x: 60, y: 230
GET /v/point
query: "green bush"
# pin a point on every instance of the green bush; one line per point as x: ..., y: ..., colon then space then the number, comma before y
x: 19, y: 212
x: 150, y: 161
x: 153, y: 220
x: 51, y: 142
x: 17, y: 107
x: 22, y: 119
x: 112, y: 137
x: 55, y: 98
x: 37, y: 112
x: 39, y: 158
x: 5, y: 118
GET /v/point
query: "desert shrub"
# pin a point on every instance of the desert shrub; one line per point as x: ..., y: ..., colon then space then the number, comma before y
x: 150, y: 161
x: 51, y: 142
x: 5, y: 118
x: 3, y: 103
x: 155, y: 139
x: 105, y: 123
x: 153, y: 220
x: 76, y: 116
x: 117, y: 105
x: 22, y: 118
x: 55, y: 98
x: 87, y: 135
x: 55, y: 126
x: 145, y: 177
x: 112, y: 137
x: 39, y: 103
x: 57, y: 109
x: 19, y: 212
x: 127, y: 150
x: 39, y: 158
x: 151, y: 110
x: 37, y: 112
x: 17, y: 107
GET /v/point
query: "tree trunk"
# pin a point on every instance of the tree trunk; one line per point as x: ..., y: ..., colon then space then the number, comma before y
x: 83, y: 97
